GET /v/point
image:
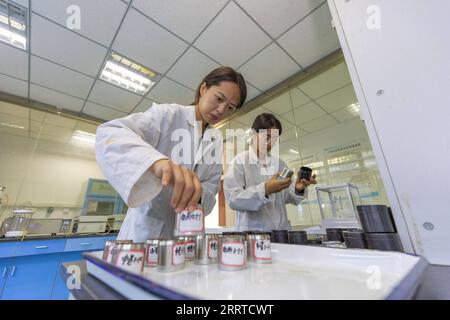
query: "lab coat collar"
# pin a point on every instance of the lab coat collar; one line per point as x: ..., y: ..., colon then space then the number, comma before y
x: 192, y: 121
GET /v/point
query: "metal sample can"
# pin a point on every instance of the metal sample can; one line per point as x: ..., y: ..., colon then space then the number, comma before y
x: 129, y: 256
x: 171, y: 255
x: 206, y: 248
x: 151, y: 253
x: 259, y: 247
x: 232, y: 252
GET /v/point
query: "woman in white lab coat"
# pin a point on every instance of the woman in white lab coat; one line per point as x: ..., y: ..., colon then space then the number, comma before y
x: 251, y: 185
x: 140, y: 156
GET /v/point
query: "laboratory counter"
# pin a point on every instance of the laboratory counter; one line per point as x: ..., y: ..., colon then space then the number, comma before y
x: 434, y: 285
x: 62, y: 236
x: 318, y: 273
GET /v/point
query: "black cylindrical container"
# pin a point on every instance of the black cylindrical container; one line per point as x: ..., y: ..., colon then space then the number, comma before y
x: 354, y: 239
x: 298, y: 237
x: 376, y: 219
x: 279, y: 236
x: 232, y: 233
x: 384, y: 241
x: 334, y: 234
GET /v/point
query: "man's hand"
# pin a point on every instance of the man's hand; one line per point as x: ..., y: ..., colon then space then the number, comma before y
x: 187, y: 188
x: 274, y: 185
x: 302, y: 184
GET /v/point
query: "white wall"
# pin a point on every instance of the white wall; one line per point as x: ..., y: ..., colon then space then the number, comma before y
x: 398, y: 56
x: 54, y: 175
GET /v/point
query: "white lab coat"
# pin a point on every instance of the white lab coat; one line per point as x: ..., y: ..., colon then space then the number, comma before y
x: 244, y: 187
x: 126, y: 148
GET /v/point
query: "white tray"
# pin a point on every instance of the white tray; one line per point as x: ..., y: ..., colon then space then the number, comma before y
x: 297, y: 272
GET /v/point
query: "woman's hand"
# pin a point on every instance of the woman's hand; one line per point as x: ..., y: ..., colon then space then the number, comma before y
x: 187, y: 188
x: 302, y: 184
x: 274, y: 185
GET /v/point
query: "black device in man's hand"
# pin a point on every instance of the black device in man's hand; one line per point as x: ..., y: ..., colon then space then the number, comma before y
x: 305, y: 173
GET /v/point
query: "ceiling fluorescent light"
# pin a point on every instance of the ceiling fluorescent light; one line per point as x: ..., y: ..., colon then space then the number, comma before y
x: 293, y: 151
x: 13, y: 24
x: 11, y: 125
x: 84, y: 136
x: 127, y: 74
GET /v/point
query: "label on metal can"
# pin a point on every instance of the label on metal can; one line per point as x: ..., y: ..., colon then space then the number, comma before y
x: 178, y: 253
x: 233, y: 254
x: 190, y: 222
x: 152, y: 254
x: 190, y: 250
x: 131, y: 260
x: 262, y: 250
x: 212, y: 249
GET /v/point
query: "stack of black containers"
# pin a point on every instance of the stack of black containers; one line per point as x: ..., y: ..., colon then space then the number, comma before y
x: 379, y: 229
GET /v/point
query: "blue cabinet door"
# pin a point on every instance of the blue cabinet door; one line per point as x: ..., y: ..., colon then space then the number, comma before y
x: 5, y: 267
x: 32, y: 277
x: 60, y: 290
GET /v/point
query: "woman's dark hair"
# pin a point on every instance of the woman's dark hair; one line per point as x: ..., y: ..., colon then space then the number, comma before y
x: 224, y: 74
x: 266, y: 121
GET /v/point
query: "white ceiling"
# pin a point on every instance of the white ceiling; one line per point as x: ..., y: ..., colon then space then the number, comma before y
x: 315, y: 105
x: 266, y: 40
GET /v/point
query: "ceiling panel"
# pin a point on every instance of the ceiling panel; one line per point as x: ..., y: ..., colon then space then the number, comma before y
x: 60, y: 121
x: 328, y: 81
x: 277, y: 16
x: 186, y: 19
x: 101, y: 112
x: 143, y: 106
x: 65, y: 47
x: 249, y: 117
x: 312, y: 39
x: 192, y: 67
x: 319, y: 124
x: 53, y: 76
x: 158, y: 49
x: 14, y: 110
x: 252, y: 92
x: 37, y: 115
x: 238, y: 125
x: 338, y: 99
x: 63, y: 133
x: 280, y: 104
x: 17, y: 65
x: 269, y: 67
x: 99, y: 19
x: 13, y: 86
x: 343, y: 115
x: 10, y: 121
x: 14, y: 131
x: 286, y: 122
x: 56, y: 99
x: 86, y: 127
x: 307, y: 113
x: 167, y: 91
x: 114, y: 97
x: 299, y: 98
x: 232, y: 37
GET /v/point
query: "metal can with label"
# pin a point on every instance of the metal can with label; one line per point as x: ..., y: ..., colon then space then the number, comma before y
x: 259, y: 248
x: 107, y: 251
x: 206, y: 248
x: 151, y: 253
x: 129, y: 256
x: 232, y: 252
x: 171, y: 255
x: 189, y: 246
x: 189, y: 223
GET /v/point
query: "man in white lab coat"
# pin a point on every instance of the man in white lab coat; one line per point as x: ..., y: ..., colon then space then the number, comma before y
x: 251, y: 186
x: 140, y: 155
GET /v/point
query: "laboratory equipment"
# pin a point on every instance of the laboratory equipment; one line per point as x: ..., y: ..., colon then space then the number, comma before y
x: 90, y: 224
x: 337, y: 204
